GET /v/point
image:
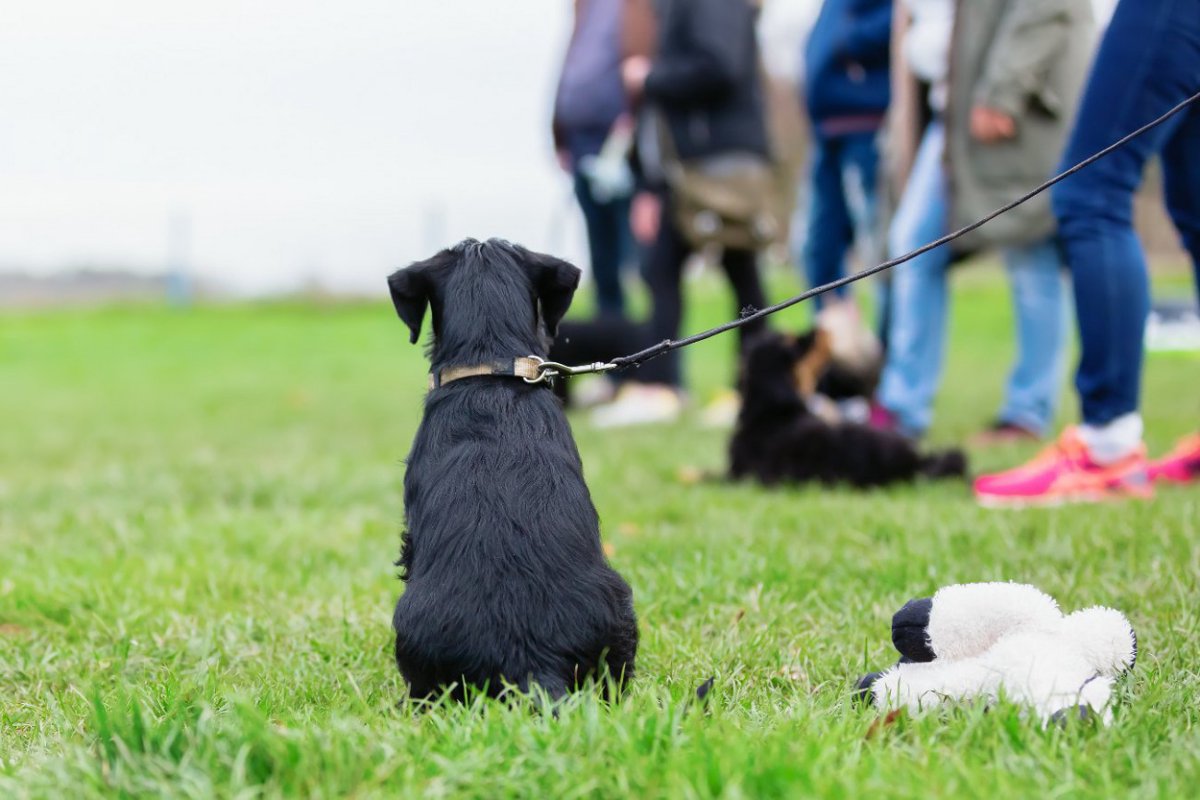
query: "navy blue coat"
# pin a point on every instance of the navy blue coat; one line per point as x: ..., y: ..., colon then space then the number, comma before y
x: 846, y: 60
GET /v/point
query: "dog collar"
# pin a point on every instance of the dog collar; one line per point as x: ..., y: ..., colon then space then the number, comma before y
x: 529, y: 368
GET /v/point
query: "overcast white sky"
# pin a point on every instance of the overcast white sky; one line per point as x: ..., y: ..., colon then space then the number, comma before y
x: 334, y: 140
x: 331, y: 139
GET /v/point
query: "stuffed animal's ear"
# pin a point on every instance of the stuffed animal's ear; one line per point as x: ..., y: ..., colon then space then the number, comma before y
x: 910, y: 630
x: 555, y: 281
x: 411, y: 288
x: 1104, y: 638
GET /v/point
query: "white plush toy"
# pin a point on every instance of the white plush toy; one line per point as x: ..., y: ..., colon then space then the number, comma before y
x: 984, y: 641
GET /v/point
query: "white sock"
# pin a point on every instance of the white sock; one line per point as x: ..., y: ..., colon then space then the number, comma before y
x: 1114, y: 441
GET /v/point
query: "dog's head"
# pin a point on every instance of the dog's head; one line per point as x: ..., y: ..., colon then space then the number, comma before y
x: 783, y: 370
x: 489, y: 300
x: 855, y: 353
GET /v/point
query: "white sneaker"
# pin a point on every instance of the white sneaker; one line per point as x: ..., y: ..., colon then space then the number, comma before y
x: 722, y: 412
x: 592, y: 391
x: 640, y: 404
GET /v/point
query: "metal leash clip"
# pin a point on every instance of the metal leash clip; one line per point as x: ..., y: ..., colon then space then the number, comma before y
x: 548, y: 370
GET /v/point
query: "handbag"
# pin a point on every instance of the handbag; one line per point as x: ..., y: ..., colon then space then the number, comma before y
x: 722, y: 199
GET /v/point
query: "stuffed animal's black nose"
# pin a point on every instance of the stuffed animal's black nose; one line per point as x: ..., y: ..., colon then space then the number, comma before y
x: 862, y: 689
x: 909, y: 630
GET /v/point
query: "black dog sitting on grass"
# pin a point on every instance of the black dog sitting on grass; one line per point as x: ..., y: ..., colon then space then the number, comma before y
x: 507, y: 584
x: 778, y: 438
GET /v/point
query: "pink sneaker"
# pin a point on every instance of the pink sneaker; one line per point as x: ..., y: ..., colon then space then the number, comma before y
x: 1039, y: 463
x: 1181, y: 465
x: 879, y: 417
x: 1065, y: 473
x: 1001, y: 433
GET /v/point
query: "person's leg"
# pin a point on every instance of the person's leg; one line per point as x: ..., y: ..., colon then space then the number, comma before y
x: 916, y: 337
x: 860, y: 178
x: 604, y: 246
x: 741, y: 267
x: 1181, y: 178
x: 1181, y: 184
x: 830, y: 227
x: 651, y: 392
x: 1037, y: 276
x: 664, y: 277
x: 883, y: 309
x: 1130, y: 84
x: 629, y: 252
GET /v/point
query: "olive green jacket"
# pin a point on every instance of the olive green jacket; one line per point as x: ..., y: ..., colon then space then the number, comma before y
x: 1028, y: 58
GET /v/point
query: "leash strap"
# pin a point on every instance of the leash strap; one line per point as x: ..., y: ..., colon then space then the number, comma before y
x: 751, y: 314
x: 536, y: 370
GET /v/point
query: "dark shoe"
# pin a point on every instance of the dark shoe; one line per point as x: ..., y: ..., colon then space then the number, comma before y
x: 1002, y: 432
x: 862, y: 689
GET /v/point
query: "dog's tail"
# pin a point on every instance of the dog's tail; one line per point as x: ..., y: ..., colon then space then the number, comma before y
x: 943, y: 464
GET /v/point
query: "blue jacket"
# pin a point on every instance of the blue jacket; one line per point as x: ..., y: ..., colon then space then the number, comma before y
x: 846, y: 65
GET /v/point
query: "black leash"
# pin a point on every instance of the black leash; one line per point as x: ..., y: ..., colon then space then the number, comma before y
x: 667, y: 345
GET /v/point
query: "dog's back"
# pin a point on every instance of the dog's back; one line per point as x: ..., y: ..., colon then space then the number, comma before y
x: 507, y: 583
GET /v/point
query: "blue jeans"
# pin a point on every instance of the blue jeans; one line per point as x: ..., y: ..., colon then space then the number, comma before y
x: 841, y: 204
x: 842, y: 209
x: 916, y: 343
x: 610, y: 245
x: 1148, y: 61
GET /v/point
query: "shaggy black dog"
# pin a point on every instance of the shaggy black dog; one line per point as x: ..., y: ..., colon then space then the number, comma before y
x: 779, y: 440
x: 507, y: 583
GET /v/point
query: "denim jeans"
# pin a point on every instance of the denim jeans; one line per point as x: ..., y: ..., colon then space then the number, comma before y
x: 1148, y: 61
x: 841, y: 204
x: 610, y: 245
x: 916, y: 344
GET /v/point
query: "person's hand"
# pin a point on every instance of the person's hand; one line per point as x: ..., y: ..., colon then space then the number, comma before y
x: 622, y: 124
x: 645, y: 215
x: 563, y: 155
x: 633, y: 74
x: 991, y: 125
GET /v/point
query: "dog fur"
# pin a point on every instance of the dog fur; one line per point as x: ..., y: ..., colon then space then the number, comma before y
x: 506, y: 581
x: 779, y: 440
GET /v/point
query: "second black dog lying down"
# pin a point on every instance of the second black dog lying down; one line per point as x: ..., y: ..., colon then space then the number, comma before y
x: 506, y: 579
x: 779, y: 440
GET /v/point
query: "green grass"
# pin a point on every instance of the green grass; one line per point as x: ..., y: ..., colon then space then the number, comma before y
x: 199, y: 511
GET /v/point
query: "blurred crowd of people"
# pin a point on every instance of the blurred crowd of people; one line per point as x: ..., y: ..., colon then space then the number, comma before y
x: 924, y: 116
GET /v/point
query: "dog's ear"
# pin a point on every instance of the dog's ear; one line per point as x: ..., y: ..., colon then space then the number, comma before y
x: 411, y: 289
x: 555, y: 281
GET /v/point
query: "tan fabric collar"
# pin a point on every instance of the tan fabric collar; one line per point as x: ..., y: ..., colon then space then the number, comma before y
x: 526, y: 368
